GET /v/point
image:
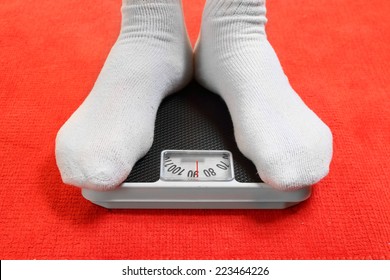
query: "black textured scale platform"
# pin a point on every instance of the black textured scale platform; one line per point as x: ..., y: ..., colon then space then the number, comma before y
x: 193, y: 119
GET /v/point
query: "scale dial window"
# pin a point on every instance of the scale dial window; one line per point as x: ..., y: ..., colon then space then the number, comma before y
x: 196, y: 166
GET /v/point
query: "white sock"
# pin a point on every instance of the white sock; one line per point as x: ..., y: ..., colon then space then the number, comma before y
x: 98, y: 146
x: 290, y: 146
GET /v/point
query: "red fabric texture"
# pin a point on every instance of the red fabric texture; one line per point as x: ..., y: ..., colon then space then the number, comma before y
x: 336, y: 54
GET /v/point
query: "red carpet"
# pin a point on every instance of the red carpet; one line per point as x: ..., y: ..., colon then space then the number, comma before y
x: 336, y: 54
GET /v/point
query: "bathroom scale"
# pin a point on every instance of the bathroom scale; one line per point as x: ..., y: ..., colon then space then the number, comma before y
x: 194, y: 163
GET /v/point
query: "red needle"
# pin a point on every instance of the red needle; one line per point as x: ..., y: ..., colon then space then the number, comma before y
x: 197, y: 169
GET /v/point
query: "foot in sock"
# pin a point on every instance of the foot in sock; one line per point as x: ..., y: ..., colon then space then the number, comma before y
x: 113, y: 128
x: 290, y: 146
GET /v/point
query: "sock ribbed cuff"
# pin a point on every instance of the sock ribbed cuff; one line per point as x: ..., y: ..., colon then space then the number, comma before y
x: 235, y: 8
x: 146, y: 16
x: 246, y: 17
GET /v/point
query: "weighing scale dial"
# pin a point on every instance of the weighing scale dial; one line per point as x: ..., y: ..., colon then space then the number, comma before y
x: 197, y: 166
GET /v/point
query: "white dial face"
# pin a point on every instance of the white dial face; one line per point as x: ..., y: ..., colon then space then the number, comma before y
x: 197, y: 166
